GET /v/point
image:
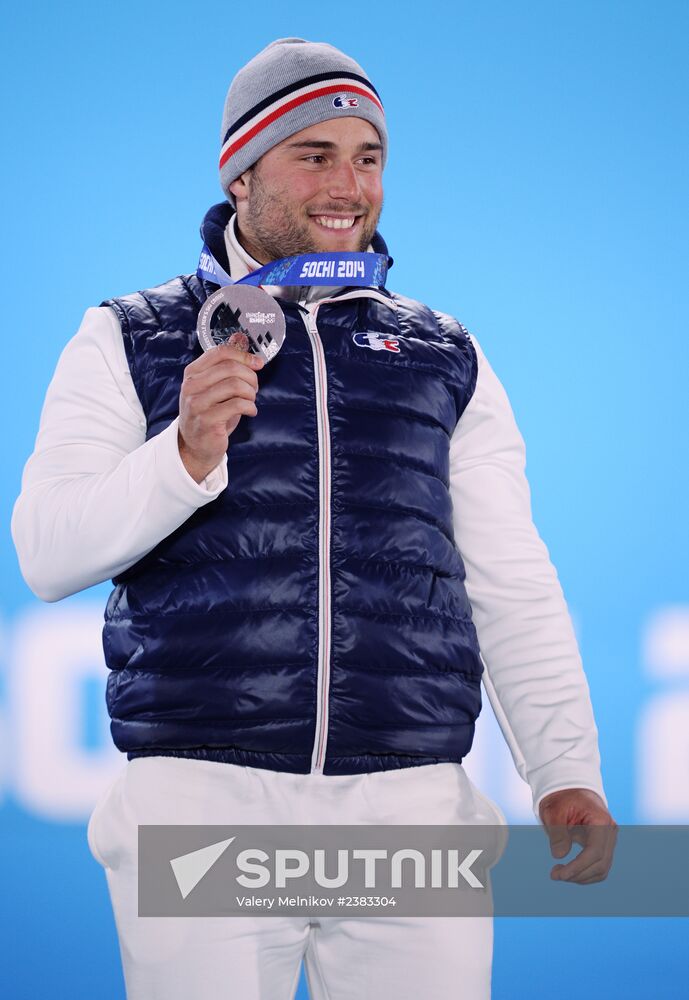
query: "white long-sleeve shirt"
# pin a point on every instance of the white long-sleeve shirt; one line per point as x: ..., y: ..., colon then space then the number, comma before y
x: 96, y: 497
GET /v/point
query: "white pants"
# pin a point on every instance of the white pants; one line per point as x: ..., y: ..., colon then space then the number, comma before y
x: 245, y: 958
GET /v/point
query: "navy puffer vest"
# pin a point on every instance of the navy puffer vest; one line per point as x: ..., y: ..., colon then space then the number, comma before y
x: 313, y: 617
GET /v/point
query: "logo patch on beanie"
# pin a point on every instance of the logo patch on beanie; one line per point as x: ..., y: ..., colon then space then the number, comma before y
x: 342, y: 101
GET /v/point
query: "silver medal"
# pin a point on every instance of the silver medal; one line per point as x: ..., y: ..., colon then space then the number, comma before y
x: 242, y: 315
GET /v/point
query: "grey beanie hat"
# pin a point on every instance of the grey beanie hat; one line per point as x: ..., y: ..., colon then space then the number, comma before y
x: 288, y: 86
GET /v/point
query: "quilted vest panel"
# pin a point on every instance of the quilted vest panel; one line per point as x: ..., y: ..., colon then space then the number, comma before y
x: 314, y: 615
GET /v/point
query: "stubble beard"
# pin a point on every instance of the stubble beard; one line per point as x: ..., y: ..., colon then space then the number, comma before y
x: 275, y: 231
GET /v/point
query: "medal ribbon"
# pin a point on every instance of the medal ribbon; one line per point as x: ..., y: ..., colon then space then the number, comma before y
x: 360, y: 269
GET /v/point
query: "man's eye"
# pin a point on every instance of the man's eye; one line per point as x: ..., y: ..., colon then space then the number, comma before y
x: 315, y: 157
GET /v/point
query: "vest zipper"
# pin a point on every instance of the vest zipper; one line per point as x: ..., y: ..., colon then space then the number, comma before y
x: 324, y: 610
x: 324, y: 518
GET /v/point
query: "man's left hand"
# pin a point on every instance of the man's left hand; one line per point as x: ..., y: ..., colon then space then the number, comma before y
x: 579, y: 807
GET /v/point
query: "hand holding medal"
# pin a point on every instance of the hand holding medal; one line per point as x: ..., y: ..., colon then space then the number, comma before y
x: 218, y: 389
x: 240, y: 328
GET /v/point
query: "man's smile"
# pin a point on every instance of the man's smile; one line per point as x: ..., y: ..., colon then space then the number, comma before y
x: 330, y: 221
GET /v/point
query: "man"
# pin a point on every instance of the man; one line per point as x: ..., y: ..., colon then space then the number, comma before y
x: 307, y: 555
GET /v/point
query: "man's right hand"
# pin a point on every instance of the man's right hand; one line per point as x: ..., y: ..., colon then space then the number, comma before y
x: 218, y: 389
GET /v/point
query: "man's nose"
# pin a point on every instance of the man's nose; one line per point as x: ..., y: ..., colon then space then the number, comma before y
x: 343, y: 182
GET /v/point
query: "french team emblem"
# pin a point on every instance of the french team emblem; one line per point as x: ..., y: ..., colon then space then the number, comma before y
x: 376, y: 341
x: 342, y: 101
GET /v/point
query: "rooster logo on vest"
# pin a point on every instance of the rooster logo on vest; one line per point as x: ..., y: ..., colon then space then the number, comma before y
x: 376, y: 341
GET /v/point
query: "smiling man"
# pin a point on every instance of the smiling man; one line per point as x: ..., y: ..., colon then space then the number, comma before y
x: 316, y: 561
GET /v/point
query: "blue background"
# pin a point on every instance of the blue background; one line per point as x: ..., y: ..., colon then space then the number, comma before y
x: 536, y: 188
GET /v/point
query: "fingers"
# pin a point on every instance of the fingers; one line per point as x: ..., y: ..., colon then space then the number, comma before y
x: 217, y: 389
x: 200, y: 412
x: 220, y: 354
x: 228, y: 373
x: 218, y: 392
x: 560, y: 841
x: 200, y: 381
x: 579, y: 815
x: 594, y: 861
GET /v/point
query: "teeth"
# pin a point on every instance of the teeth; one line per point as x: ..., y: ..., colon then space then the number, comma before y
x: 329, y: 223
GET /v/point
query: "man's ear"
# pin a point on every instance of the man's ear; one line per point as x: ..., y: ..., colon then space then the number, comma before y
x: 240, y: 186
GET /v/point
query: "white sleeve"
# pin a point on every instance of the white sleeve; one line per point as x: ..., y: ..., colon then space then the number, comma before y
x: 96, y: 496
x: 533, y: 672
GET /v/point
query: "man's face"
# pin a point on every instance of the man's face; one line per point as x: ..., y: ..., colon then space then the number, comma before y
x: 319, y: 190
